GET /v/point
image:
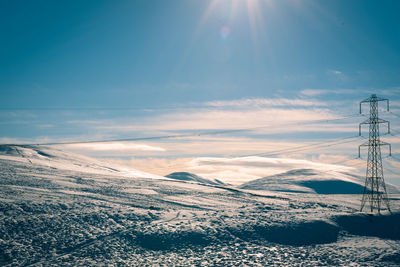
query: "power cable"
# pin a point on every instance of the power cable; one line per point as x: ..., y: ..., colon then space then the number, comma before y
x: 391, y: 171
x: 179, y: 136
x: 394, y: 114
x: 305, y: 147
x: 101, y: 108
x: 290, y: 150
x: 297, y: 149
x: 395, y: 157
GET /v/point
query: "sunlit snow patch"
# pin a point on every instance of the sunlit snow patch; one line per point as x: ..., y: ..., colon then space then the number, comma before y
x: 62, y: 160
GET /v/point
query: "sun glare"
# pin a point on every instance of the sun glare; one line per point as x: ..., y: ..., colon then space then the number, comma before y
x: 231, y: 9
x: 233, y: 6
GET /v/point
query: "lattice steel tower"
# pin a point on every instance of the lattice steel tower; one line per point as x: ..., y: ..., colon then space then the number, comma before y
x: 375, y: 194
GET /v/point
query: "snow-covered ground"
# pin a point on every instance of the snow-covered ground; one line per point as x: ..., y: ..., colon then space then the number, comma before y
x: 57, y: 208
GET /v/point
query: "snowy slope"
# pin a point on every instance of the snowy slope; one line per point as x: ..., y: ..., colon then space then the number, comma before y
x: 312, y: 181
x: 58, y: 209
x: 186, y: 176
x: 62, y: 160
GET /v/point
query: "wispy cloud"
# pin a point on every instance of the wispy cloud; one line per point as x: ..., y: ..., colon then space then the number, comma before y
x: 204, y: 119
x: 116, y: 146
x: 266, y: 102
x: 336, y: 72
x: 318, y: 92
x: 390, y: 92
x: 394, y: 91
x: 264, y: 129
x: 267, y: 125
x: 337, y: 75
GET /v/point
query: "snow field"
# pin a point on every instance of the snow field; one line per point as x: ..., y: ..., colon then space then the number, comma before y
x: 70, y: 217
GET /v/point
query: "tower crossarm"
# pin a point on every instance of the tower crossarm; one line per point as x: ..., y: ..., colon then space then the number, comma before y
x: 386, y: 144
x: 374, y: 98
x: 372, y: 121
x: 379, y: 143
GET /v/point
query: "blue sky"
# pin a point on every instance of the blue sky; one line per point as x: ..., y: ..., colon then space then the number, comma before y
x: 93, y: 70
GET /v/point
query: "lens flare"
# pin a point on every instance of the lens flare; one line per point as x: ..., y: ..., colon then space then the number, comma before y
x: 231, y: 9
x: 225, y: 32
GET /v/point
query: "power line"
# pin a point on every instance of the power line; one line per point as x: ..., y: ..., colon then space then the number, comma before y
x: 396, y: 131
x: 312, y: 146
x: 306, y: 147
x: 98, y: 108
x: 341, y: 162
x: 326, y: 171
x: 290, y: 150
x: 179, y: 136
x: 395, y: 157
x: 393, y: 172
x: 331, y: 170
x: 269, y: 153
x: 394, y: 114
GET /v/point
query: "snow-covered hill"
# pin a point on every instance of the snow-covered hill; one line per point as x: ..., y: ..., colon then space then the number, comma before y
x: 186, y: 176
x: 62, y: 160
x: 62, y: 209
x: 313, y: 181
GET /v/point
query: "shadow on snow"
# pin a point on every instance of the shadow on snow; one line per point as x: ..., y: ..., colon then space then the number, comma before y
x: 383, y: 226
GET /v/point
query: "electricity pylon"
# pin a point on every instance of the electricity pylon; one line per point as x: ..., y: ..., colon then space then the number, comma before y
x: 375, y: 190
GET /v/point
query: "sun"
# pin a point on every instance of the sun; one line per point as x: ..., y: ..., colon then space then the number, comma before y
x: 252, y: 8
